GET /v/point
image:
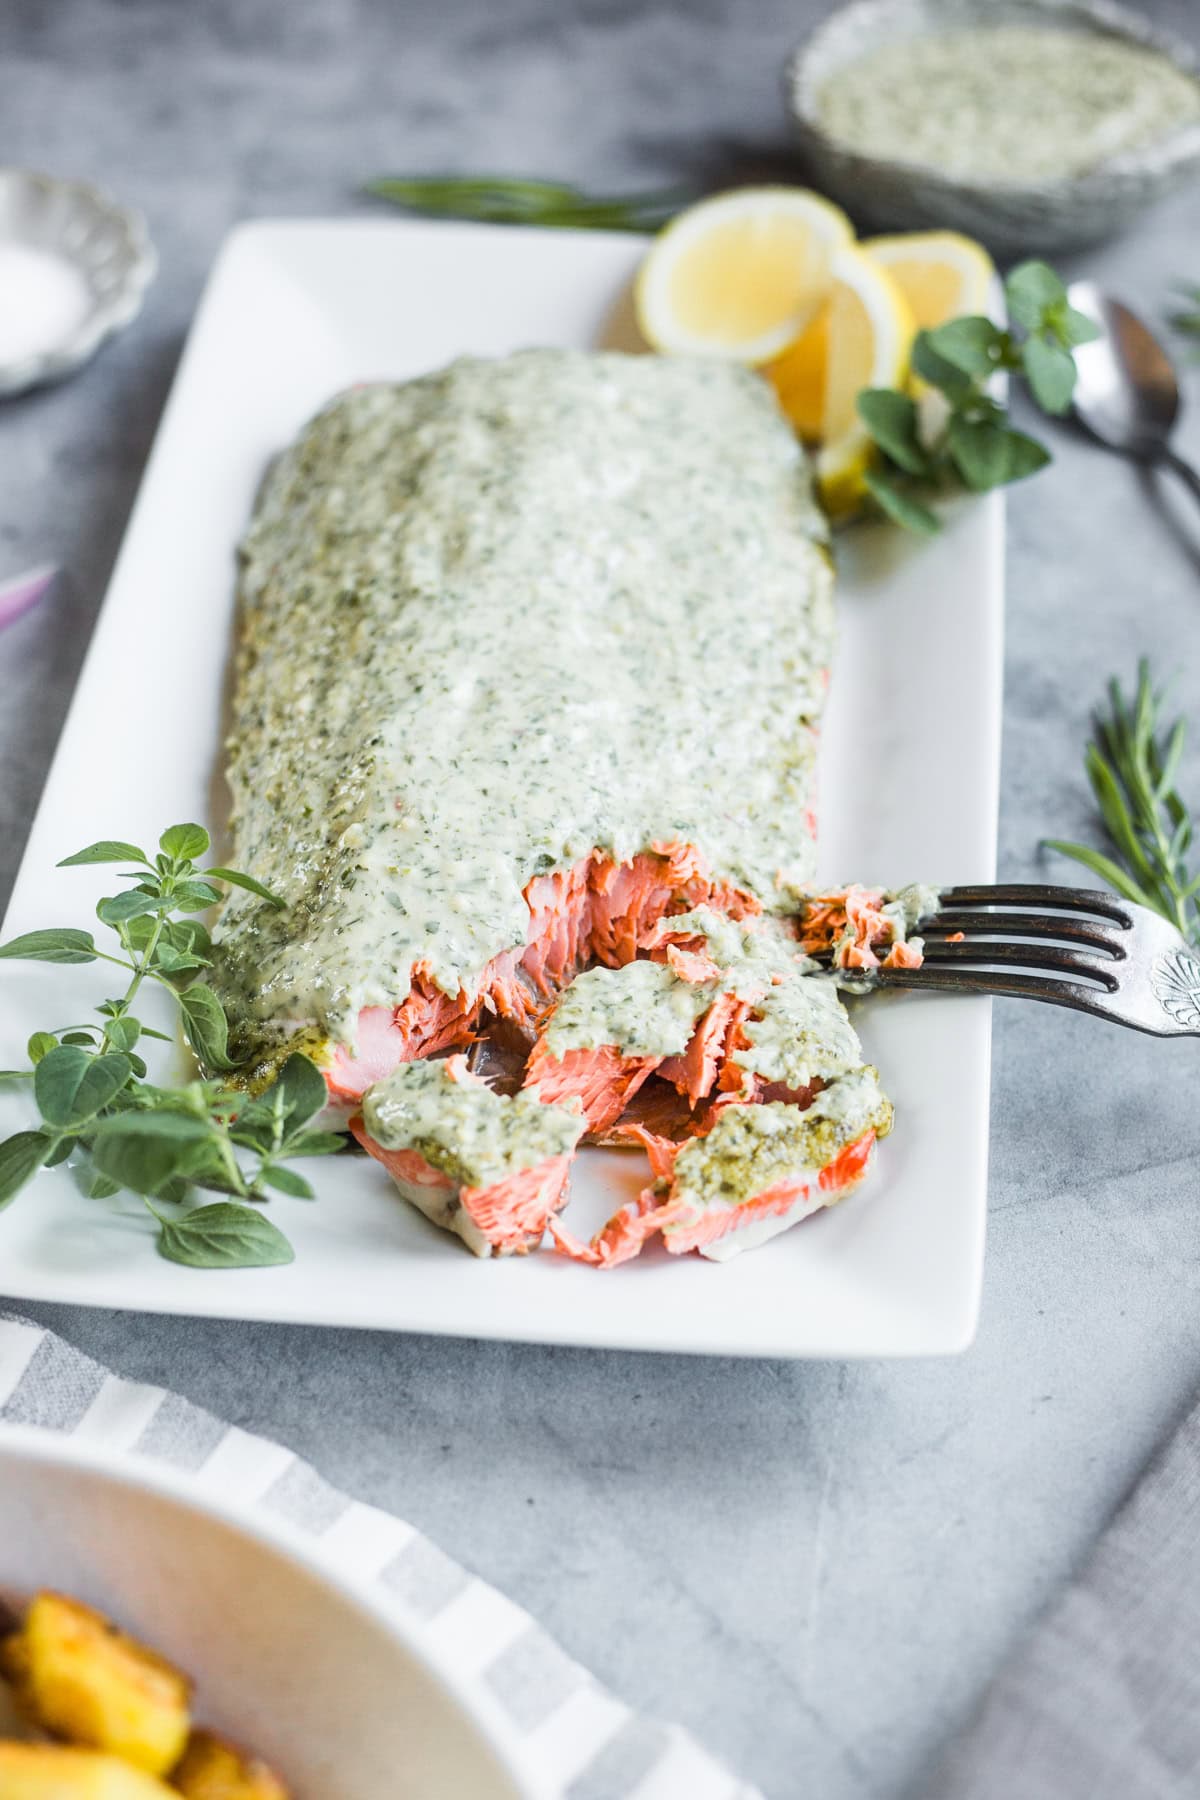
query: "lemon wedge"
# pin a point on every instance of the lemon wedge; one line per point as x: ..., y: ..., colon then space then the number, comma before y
x: 741, y: 275
x: 861, y: 337
x: 940, y: 274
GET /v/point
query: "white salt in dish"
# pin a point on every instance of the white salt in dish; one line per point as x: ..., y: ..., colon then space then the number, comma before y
x: 74, y: 268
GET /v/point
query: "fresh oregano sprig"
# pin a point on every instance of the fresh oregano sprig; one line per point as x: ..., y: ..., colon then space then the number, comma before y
x: 1132, y: 761
x: 90, y: 1085
x: 505, y: 200
x: 963, y: 439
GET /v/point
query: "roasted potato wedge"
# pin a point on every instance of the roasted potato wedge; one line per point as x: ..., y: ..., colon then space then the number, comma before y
x: 213, y: 1769
x: 55, y: 1772
x: 82, y: 1679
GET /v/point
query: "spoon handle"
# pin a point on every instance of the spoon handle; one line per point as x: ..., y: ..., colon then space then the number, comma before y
x: 1183, y: 469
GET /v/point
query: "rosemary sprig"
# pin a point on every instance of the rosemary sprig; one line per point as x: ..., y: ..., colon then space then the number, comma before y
x: 504, y: 200
x: 1131, y: 763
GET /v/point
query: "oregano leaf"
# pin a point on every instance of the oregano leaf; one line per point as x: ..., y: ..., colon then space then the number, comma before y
x: 302, y: 1087
x: 124, y: 1032
x: 184, y: 843
x: 189, y: 936
x: 248, y: 882
x: 71, y: 1086
x: 194, y: 896
x: 989, y: 456
x: 146, y: 1151
x: 20, y: 1159
x: 1050, y: 372
x: 117, y: 909
x: 224, y: 1235
x: 288, y: 1181
x: 900, y: 507
x: 1031, y: 290
x: 107, y: 850
x: 972, y: 344
x: 317, y: 1143
x: 1072, y: 328
x: 205, y: 1026
x: 61, y: 945
x: 891, y: 419
x: 176, y: 962
x: 61, y: 1151
x: 935, y: 370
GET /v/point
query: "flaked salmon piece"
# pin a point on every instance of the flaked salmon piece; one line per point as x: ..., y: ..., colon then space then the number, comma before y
x: 661, y: 1149
x: 720, y: 1007
x: 758, y: 1170
x: 740, y: 1084
x: 777, y: 1029
x: 489, y: 1166
x: 625, y: 1235
x: 598, y: 910
x: 609, y: 1031
x: 907, y: 955
x: 509, y: 1216
x: 603, y: 1080
x: 861, y: 928
x: 695, y: 1073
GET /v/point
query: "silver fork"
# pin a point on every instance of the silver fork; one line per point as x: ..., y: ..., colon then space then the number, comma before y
x: 1102, y: 955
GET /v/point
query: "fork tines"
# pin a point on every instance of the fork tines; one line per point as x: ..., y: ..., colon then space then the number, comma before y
x: 1074, y: 932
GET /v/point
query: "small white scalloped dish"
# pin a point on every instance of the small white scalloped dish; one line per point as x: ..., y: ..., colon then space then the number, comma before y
x: 104, y: 245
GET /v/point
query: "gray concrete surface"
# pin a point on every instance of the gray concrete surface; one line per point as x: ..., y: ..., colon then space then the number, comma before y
x: 816, y: 1567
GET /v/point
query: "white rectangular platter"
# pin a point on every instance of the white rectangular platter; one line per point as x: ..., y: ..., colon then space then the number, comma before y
x: 294, y: 312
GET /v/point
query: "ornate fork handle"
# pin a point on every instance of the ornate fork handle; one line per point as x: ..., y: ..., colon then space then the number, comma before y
x: 1175, y: 983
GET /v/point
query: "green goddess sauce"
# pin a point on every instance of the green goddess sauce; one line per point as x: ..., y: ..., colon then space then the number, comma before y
x: 1007, y: 103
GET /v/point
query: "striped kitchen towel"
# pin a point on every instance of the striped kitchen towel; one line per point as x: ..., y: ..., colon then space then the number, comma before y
x: 582, y: 1741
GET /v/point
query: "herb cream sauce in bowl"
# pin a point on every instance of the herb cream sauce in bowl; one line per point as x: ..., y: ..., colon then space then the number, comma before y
x: 1032, y: 124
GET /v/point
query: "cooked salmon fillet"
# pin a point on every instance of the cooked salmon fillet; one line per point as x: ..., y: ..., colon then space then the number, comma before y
x: 532, y: 657
x: 531, y: 653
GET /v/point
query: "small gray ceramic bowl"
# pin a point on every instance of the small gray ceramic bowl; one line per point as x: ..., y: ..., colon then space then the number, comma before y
x: 105, y: 243
x: 1052, y: 215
